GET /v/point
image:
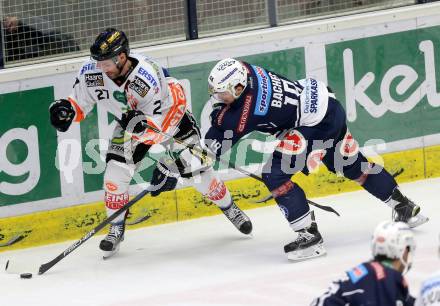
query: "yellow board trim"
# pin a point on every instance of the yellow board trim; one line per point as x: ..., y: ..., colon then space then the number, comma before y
x: 72, y: 223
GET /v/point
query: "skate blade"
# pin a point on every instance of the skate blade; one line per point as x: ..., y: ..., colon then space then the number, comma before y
x: 109, y: 254
x: 309, y: 253
x: 417, y: 220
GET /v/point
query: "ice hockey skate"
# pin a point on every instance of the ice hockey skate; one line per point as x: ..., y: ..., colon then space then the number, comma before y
x: 240, y: 220
x: 309, y: 244
x: 405, y: 210
x: 110, y: 244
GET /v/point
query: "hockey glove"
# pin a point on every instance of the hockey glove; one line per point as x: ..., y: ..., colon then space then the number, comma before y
x: 134, y: 120
x: 216, y: 110
x: 164, y: 177
x: 61, y: 114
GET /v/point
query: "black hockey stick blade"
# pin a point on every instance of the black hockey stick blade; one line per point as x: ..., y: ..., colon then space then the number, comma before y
x: 44, y: 267
x: 398, y: 172
x: 138, y: 220
x: 263, y: 200
x: 323, y: 207
x: 13, y: 240
x: 254, y: 176
x: 270, y: 197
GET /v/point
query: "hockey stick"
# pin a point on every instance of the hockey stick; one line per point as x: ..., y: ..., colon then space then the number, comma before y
x: 270, y: 196
x: 14, y: 240
x: 44, y: 267
x: 206, y: 155
x: 138, y: 220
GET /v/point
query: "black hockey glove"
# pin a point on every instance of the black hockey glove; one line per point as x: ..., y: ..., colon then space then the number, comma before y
x: 61, y: 114
x: 216, y: 109
x: 139, y: 121
x: 164, y: 177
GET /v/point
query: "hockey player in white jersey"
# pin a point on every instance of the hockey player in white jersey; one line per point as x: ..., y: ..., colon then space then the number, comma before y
x: 141, y: 92
x: 430, y: 291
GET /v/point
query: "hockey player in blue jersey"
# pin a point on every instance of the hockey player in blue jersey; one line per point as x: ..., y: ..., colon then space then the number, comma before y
x: 311, y: 126
x: 379, y: 282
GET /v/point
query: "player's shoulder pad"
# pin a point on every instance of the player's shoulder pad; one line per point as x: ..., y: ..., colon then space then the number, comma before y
x: 357, y: 273
x: 149, y: 62
x: 145, y: 70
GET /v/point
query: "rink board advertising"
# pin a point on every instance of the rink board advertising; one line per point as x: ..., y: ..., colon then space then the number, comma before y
x: 388, y: 84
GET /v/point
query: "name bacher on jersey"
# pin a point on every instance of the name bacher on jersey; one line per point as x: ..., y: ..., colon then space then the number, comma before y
x: 272, y: 103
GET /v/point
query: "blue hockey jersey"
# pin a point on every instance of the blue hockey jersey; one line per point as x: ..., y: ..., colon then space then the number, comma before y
x: 368, y: 284
x: 269, y: 104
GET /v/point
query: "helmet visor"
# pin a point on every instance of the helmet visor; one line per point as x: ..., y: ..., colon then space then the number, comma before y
x: 211, y: 90
x: 220, y: 96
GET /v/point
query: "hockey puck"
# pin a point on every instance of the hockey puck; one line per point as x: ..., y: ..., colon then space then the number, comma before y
x: 26, y: 275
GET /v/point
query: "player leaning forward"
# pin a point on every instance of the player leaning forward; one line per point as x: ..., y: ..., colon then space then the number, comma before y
x: 311, y: 126
x: 153, y: 99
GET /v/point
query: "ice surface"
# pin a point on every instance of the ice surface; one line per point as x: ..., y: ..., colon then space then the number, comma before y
x: 208, y: 262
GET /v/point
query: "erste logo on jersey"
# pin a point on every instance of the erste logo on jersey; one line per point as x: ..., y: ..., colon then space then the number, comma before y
x: 87, y: 67
x: 139, y: 86
x: 94, y: 79
x: 264, y: 92
x: 148, y: 76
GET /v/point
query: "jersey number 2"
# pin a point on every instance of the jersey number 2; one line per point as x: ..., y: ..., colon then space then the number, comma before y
x: 156, y: 110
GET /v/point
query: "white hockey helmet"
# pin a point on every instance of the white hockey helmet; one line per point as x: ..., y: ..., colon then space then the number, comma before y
x: 391, y: 239
x: 226, y: 75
